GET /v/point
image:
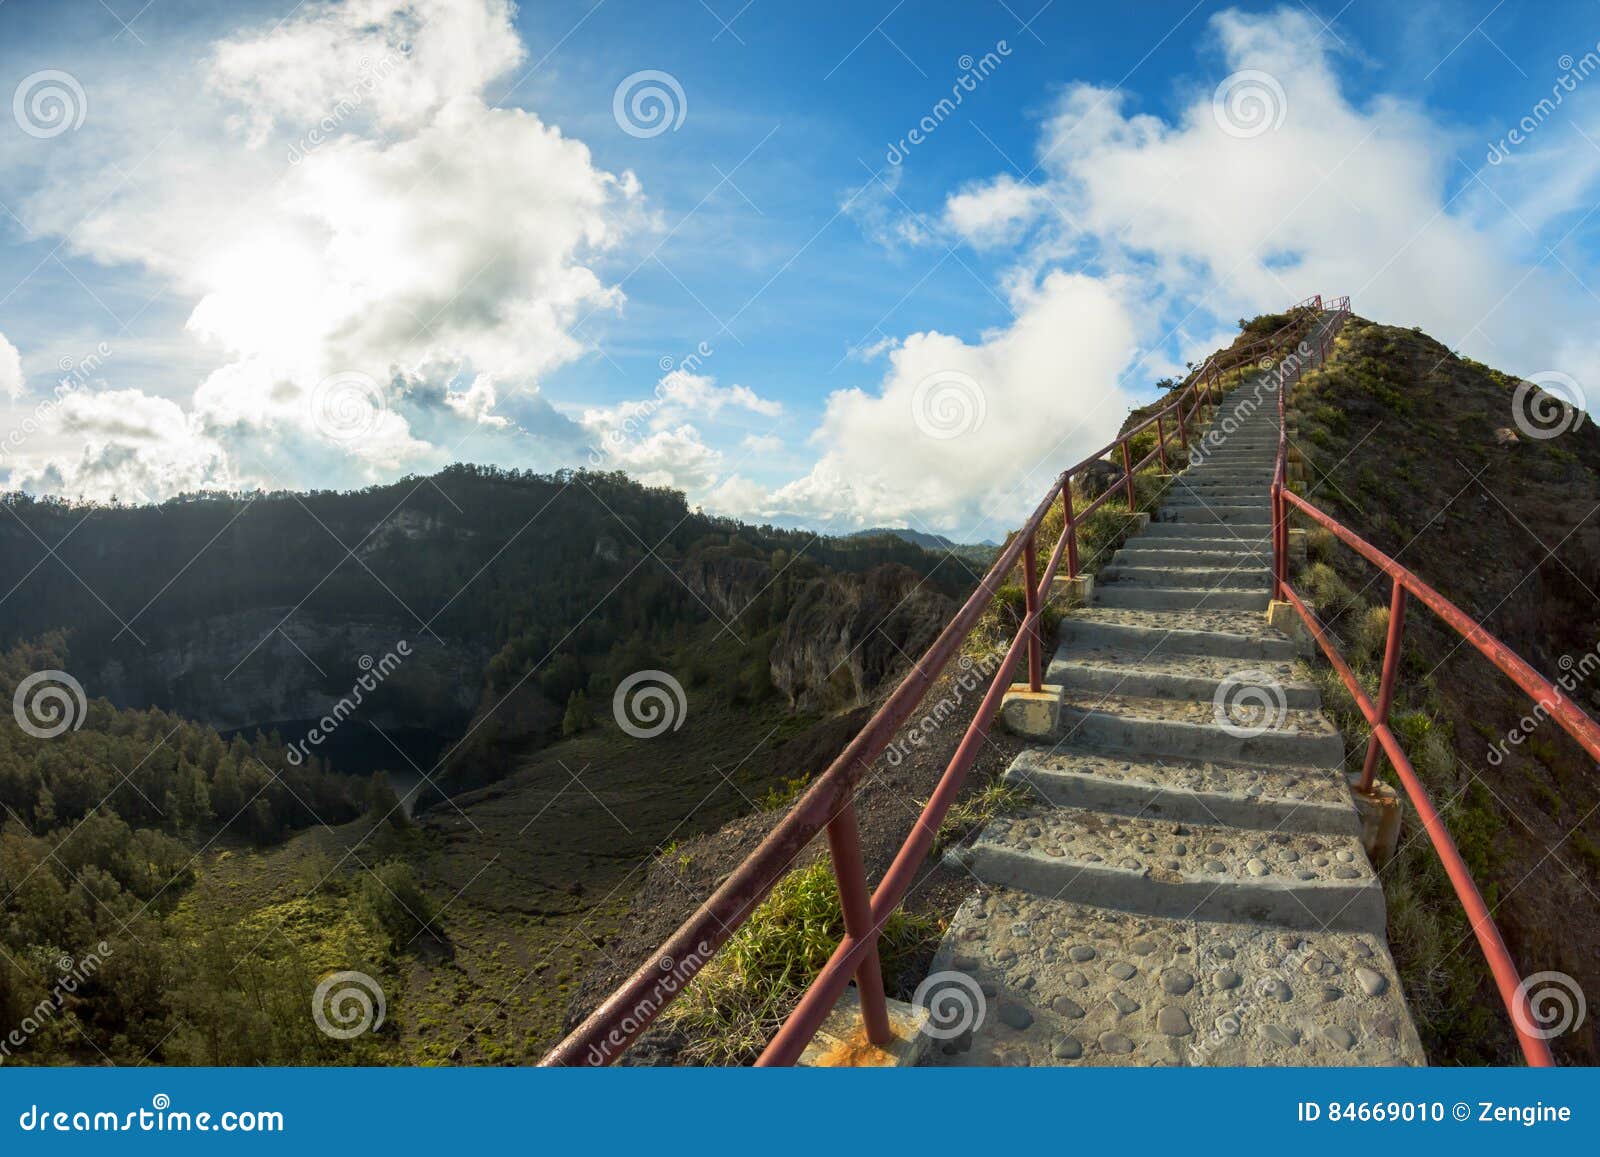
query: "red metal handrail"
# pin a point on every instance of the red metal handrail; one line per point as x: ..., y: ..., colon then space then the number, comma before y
x: 828, y: 803
x: 1405, y: 583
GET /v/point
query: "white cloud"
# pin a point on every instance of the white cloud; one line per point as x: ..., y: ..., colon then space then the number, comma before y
x: 659, y: 440
x: 128, y: 445
x: 1338, y: 197
x: 992, y: 212
x: 337, y: 200
x: 11, y: 381
x: 958, y: 432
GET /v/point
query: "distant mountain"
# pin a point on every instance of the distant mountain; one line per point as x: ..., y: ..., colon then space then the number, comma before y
x: 938, y: 543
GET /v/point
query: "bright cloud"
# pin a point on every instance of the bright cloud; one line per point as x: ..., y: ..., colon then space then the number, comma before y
x: 659, y: 440
x: 387, y: 265
x: 11, y: 381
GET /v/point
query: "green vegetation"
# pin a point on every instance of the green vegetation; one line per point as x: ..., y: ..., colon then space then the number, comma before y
x: 739, y: 1000
x: 968, y: 815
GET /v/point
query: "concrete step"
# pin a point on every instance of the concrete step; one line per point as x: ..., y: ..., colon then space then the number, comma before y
x: 1070, y: 984
x: 1242, y: 530
x: 1192, y: 499
x: 1300, y: 880
x: 1180, y: 598
x: 1227, y: 555
x: 1252, y: 724
x: 1254, y: 577
x: 1225, y: 634
x: 1261, y: 796
x: 1230, y: 493
x: 1187, y: 536
x: 1174, y: 675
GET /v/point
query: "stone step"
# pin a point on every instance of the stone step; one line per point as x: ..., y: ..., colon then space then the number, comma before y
x: 1255, y: 531
x: 1183, y: 484
x: 1175, y: 675
x: 1198, y: 478
x: 1227, y: 555
x: 1252, y: 724
x: 1198, y: 500
x: 1236, y: 453
x: 1261, y: 796
x: 1302, y: 880
x: 1059, y: 983
x: 1184, y: 536
x: 1180, y: 598
x: 1253, y: 577
x: 1225, y: 634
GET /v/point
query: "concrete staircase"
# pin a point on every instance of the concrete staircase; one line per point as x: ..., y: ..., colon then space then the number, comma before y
x: 1188, y: 886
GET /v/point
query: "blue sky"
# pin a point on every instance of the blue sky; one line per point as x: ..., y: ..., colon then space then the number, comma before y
x: 333, y: 244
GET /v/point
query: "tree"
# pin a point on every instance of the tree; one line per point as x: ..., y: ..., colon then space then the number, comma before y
x: 578, y: 717
x: 396, y: 904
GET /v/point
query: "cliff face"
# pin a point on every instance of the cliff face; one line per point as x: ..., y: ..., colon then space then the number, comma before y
x: 267, y: 665
x: 846, y: 634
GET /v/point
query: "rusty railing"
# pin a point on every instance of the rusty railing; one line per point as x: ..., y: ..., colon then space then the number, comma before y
x: 827, y: 805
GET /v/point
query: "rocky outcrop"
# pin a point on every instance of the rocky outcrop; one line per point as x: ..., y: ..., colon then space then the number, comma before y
x: 727, y: 585
x: 846, y: 634
x: 268, y: 665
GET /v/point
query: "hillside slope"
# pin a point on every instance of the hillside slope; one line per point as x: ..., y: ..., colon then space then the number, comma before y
x: 1421, y: 452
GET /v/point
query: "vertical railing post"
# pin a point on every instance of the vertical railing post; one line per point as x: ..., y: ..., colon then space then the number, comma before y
x: 1391, y: 666
x: 844, y: 843
x: 1161, y: 445
x: 1030, y: 583
x: 1183, y: 427
x: 1277, y: 533
x: 1127, y: 473
x: 1069, y: 527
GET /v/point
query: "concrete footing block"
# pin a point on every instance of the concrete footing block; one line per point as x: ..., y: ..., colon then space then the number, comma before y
x: 1380, y: 810
x: 1031, y: 714
x: 1283, y: 617
x: 1073, y: 592
x: 841, y: 1042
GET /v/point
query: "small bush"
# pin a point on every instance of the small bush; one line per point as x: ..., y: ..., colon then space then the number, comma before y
x: 738, y: 1000
x: 1328, y: 592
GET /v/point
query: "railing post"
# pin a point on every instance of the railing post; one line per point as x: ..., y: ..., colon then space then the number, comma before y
x: 1127, y: 473
x: 1278, y: 535
x: 1391, y: 665
x: 1161, y: 445
x: 1183, y: 427
x: 844, y: 844
x: 1030, y: 583
x: 1069, y: 527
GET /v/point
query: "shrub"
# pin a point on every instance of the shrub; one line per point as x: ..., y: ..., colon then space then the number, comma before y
x: 739, y: 999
